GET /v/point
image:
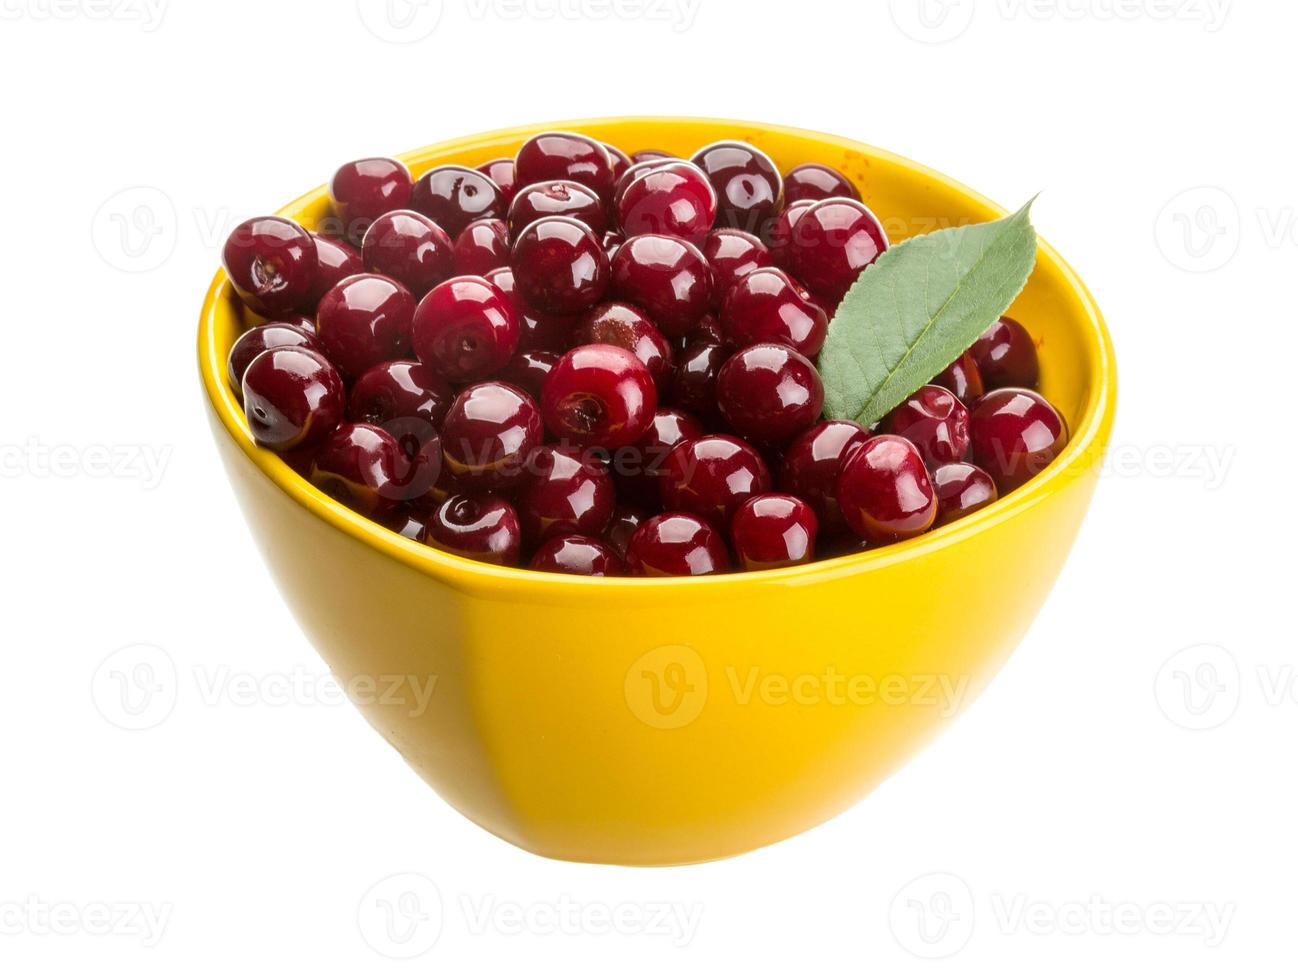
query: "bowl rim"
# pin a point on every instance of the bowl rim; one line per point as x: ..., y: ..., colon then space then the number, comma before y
x: 1081, y: 453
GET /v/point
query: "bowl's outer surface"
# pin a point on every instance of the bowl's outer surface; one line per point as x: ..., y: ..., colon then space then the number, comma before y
x: 671, y: 721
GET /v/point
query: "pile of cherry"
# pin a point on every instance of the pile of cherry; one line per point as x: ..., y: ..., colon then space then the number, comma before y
x: 600, y: 364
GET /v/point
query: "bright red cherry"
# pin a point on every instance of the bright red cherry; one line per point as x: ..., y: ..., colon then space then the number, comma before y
x: 1006, y: 355
x: 832, y: 242
x: 711, y: 476
x: 779, y: 240
x: 676, y: 544
x: 410, y: 248
x: 528, y: 370
x: 536, y: 330
x: 501, y: 173
x: 293, y: 398
x: 360, y: 466
x: 401, y: 392
x: 1015, y: 434
x: 627, y: 327
x: 885, y: 492
x: 482, y: 246
x: 554, y: 199
x: 815, y: 182
x: 335, y: 261
x: 454, y: 196
x: 666, y: 277
x: 672, y: 199
x: 565, y: 156
x: 773, y: 530
x: 599, y: 395
x: 812, y: 463
x: 935, y: 421
x: 364, y: 189
x: 560, y: 266
x: 577, y: 554
x: 481, y: 528
x: 363, y: 321
x: 769, y: 393
x: 962, y: 379
x: 732, y: 254
x: 962, y: 488
x: 487, y: 434
x: 637, y: 468
x: 747, y: 183
x: 268, y: 336
x: 465, y: 329
x: 271, y: 263
x: 565, y: 491
x: 767, y: 306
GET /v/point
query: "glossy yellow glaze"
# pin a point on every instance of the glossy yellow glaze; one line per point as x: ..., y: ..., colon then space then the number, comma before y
x: 678, y: 720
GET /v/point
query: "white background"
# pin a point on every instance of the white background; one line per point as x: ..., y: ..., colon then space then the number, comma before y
x: 1112, y: 803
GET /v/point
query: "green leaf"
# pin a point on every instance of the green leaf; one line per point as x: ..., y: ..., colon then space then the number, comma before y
x: 917, y: 308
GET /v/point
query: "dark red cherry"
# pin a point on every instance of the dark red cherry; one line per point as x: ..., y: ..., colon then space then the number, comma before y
x: 293, y: 398
x: 565, y: 491
x: 399, y: 391
x: 576, y: 554
x: 747, y: 183
x: 694, y: 385
x: 1006, y: 356
x: 482, y: 246
x: 815, y: 182
x: 1015, y: 434
x: 360, y: 465
x: 962, y: 379
x: 732, y: 254
x: 408, y: 523
x: 271, y: 263
x: 269, y: 336
x: 363, y: 321
x: 599, y: 395
x: 633, y: 173
x: 621, y: 526
x: 644, y: 156
x: 885, y: 492
x: 676, y: 544
x: 779, y: 240
x: 767, y: 306
x: 637, y: 468
x: 672, y: 199
x: 711, y: 476
x: 501, y: 173
x: 833, y: 241
x: 812, y: 463
x: 553, y: 199
x: 773, y: 530
x: 961, y: 488
x: 455, y: 196
x: 612, y: 241
x: 935, y: 421
x: 335, y: 261
x: 536, y: 330
x: 410, y: 248
x: 618, y: 159
x: 481, y: 528
x: 465, y: 329
x: 706, y: 331
x: 364, y: 189
x: 625, y: 326
x: 487, y: 434
x: 666, y: 277
x: 560, y: 266
x: 565, y: 156
x: 769, y: 393
x: 528, y: 370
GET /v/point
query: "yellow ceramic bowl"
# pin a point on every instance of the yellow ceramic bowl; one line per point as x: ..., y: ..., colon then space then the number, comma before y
x: 664, y: 721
